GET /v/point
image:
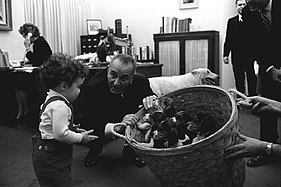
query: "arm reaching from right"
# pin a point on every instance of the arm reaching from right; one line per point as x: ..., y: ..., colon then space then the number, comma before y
x: 261, y: 105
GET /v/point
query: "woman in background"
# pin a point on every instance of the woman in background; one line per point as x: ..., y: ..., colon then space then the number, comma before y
x: 37, y: 50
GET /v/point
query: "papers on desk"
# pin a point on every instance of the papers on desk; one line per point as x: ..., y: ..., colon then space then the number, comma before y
x: 27, y: 69
x: 15, y: 63
x: 87, y: 56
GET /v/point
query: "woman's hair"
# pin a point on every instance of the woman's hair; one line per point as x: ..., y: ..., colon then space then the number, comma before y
x: 29, y: 28
x: 61, y: 67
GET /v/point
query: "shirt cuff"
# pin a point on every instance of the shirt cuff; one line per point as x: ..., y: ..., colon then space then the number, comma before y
x: 270, y: 67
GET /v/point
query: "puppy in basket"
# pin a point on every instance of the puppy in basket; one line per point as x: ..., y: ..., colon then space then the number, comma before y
x: 203, y: 125
x: 170, y: 132
x: 167, y: 84
x: 162, y: 108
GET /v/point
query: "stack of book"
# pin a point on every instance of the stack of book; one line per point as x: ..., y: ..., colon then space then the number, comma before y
x: 145, y: 54
x: 174, y: 24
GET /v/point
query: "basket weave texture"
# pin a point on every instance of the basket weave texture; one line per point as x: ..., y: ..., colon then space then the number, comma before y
x: 201, y: 163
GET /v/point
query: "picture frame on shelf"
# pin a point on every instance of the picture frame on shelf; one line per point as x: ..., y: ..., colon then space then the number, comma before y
x: 93, y: 26
x: 187, y: 4
x: 5, y: 15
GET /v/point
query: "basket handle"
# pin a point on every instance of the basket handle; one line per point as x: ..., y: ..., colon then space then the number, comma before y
x: 140, y: 113
x: 233, y: 91
x: 116, y: 133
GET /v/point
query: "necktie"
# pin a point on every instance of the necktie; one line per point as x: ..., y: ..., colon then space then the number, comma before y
x: 266, y: 18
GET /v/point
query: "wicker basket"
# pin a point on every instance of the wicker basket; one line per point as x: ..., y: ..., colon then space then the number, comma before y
x: 201, y: 163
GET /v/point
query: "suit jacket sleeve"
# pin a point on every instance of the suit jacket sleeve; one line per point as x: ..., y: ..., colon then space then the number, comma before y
x: 227, y: 42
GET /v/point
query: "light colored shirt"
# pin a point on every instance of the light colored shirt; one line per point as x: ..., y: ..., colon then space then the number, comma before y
x: 268, y: 7
x: 55, y: 121
x: 240, y: 18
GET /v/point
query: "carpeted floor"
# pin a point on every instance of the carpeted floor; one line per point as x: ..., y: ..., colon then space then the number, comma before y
x: 112, y: 170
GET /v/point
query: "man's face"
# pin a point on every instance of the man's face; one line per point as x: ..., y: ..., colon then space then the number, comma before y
x: 256, y: 5
x: 119, y: 76
x: 240, y: 5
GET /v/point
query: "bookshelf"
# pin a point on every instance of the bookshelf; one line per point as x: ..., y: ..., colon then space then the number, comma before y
x: 184, y: 51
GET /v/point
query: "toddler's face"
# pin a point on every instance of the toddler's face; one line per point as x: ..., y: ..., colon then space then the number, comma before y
x: 72, y: 92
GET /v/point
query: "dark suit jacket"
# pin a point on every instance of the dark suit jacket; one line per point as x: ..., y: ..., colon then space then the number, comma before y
x: 236, y: 41
x: 264, y: 44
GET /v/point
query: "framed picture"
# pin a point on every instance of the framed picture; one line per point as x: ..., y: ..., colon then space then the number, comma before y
x: 93, y: 26
x: 185, y: 4
x: 5, y: 15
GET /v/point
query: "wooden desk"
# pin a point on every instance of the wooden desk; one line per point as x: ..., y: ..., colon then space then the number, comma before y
x: 8, y: 101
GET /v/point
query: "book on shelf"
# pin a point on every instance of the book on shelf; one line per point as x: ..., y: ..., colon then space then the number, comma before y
x: 145, y: 54
x: 174, y: 24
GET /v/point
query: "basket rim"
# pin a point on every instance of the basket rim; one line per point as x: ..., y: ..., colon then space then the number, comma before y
x: 209, y: 138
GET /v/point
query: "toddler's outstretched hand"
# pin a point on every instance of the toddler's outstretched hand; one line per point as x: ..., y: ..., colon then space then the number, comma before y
x: 86, y: 137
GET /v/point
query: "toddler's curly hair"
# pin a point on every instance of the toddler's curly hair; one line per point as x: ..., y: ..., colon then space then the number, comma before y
x: 62, y: 67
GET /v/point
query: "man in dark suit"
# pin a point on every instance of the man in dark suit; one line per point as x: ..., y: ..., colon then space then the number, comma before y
x: 262, y: 18
x: 112, y: 95
x: 236, y: 42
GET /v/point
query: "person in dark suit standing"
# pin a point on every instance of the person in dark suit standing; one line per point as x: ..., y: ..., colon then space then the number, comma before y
x: 236, y: 42
x: 262, y: 18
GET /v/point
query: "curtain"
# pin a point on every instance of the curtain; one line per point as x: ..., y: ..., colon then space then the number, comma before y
x: 61, y: 22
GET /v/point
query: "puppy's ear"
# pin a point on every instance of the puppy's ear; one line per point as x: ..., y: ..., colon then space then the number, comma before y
x: 168, y: 107
x: 173, y: 137
x: 157, y: 117
x: 195, y: 72
x: 169, y: 111
x: 183, y: 116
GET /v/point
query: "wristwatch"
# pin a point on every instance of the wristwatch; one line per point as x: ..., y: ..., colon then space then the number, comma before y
x: 268, y: 149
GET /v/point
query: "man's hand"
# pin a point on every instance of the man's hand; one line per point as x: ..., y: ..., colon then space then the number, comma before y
x: 226, y: 59
x: 148, y: 101
x: 130, y: 120
x: 248, y: 148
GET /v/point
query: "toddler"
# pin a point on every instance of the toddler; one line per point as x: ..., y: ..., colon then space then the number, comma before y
x: 52, y: 145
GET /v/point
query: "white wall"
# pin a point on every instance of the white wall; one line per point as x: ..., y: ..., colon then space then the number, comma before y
x: 12, y: 41
x: 143, y: 19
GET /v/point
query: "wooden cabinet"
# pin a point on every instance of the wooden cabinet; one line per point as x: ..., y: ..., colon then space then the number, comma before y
x: 181, y: 52
x: 150, y: 70
x: 89, y: 43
